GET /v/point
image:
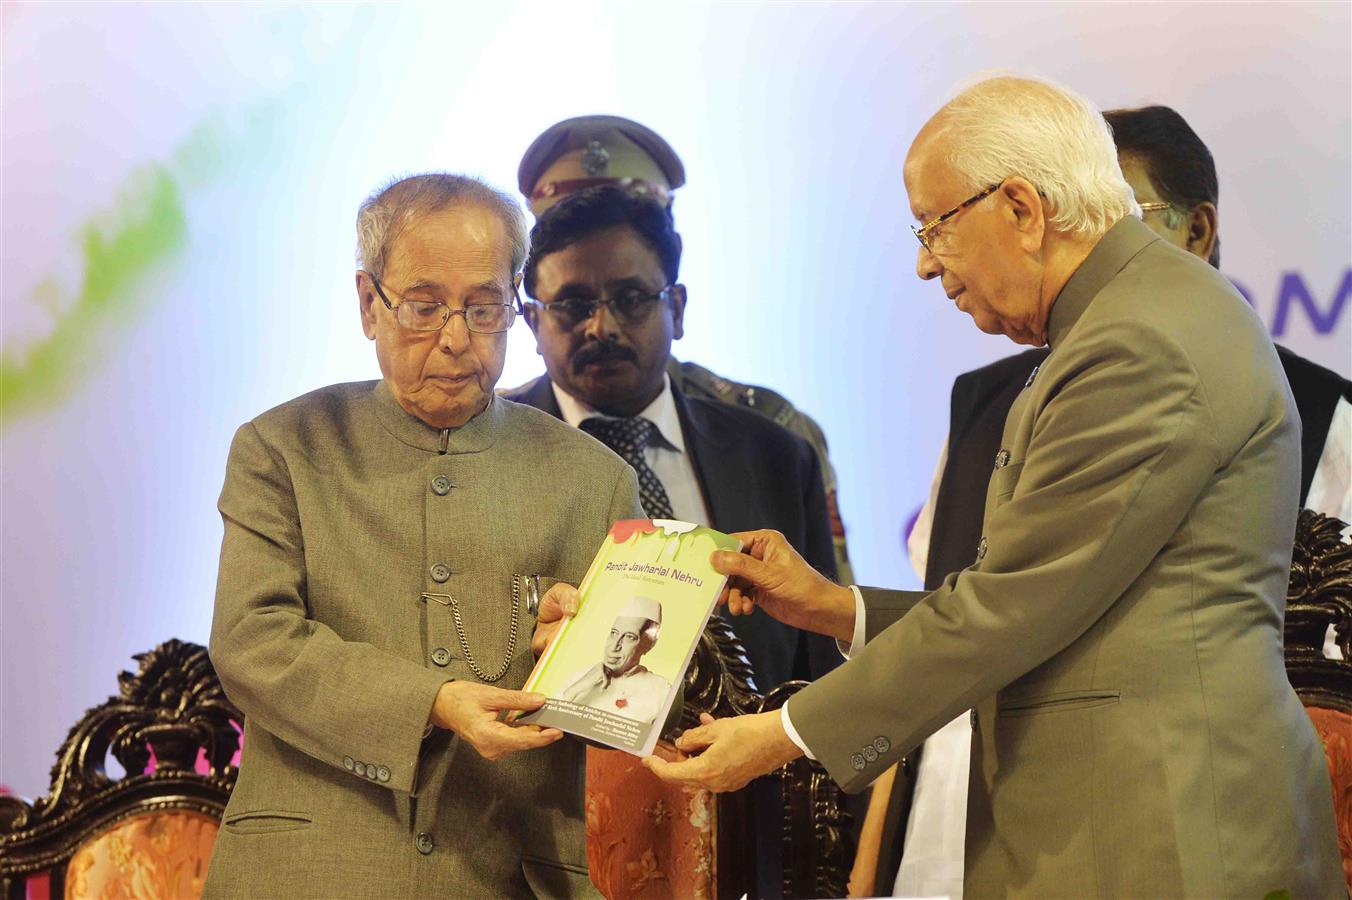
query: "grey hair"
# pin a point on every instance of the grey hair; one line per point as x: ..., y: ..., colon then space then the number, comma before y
x: 384, y: 215
x: 1007, y: 125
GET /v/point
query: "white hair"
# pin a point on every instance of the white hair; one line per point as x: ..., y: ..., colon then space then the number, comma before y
x: 384, y: 215
x: 1007, y: 125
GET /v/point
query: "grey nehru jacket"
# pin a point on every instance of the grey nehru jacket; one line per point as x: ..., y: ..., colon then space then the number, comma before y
x: 353, y: 531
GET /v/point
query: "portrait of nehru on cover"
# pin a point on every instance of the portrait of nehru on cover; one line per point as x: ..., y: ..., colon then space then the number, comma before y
x: 619, y: 683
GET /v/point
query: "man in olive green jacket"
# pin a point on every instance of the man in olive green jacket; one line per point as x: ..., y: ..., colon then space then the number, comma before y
x: 1120, y: 634
x: 371, y: 610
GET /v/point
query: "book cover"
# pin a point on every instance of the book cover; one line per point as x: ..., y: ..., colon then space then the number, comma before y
x: 612, y: 671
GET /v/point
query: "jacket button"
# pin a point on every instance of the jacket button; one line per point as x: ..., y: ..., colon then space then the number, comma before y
x: 882, y: 744
x: 349, y: 763
x: 441, y: 573
x: 981, y: 550
x: 1002, y: 459
x: 383, y: 774
x: 870, y: 754
x: 441, y: 485
x: 857, y: 761
x: 424, y: 843
x: 441, y: 656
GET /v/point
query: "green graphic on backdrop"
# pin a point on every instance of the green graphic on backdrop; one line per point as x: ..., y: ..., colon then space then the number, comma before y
x: 144, y: 229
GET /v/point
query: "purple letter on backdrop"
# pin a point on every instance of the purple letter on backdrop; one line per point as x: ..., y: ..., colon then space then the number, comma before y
x: 1293, y: 289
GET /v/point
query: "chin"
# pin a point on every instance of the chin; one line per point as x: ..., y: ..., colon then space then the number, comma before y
x: 599, y: 392
x: 987, y: 324
x: 449, y: 412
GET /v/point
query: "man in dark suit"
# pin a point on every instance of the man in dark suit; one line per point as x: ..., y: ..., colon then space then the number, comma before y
x: 606, y: 305
x: 590, y: 151
x: 1173, y: 176
x: 603, y: 275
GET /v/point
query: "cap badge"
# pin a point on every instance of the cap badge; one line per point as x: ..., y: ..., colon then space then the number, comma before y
x: 595, y: 159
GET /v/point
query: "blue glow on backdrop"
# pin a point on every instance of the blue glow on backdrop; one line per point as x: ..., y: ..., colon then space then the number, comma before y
x: 180, y: 184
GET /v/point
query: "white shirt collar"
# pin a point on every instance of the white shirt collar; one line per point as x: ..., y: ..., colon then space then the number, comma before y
x: 661, y: 412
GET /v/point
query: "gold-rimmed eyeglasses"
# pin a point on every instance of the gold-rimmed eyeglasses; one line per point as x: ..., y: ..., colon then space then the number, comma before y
x: 923, y: 233
x: 432, y: 315
x: 1155, y: 207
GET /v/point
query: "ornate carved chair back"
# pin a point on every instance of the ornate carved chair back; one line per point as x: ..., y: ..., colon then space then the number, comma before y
x: 1319, y: 619
x: 647, y: 840
x: 150, y: 831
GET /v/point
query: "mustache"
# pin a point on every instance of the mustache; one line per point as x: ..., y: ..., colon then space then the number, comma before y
x: 602, y: 352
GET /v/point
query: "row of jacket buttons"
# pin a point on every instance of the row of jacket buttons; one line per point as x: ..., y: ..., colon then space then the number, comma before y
x: 366, y: 770
x: 870, y: 753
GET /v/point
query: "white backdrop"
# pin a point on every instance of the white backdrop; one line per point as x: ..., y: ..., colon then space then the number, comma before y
x: 180, y: 183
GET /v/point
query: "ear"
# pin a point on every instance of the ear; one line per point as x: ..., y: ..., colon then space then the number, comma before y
x: 366, y: 297
x: 678, y: 298
x: 1203, y: 226
x: 1023, y: 207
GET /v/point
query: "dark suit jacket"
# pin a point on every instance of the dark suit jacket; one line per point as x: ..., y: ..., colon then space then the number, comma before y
x: 753, y: 474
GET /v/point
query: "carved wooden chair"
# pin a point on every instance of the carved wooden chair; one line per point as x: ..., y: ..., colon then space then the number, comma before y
x: 150, y: 832
x: 1318, y: 597
x: 647, y: 840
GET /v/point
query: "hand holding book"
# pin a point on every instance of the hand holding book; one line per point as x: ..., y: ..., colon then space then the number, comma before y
x: 611, y: 669
x: 770, y: 574
x: 558, y: 603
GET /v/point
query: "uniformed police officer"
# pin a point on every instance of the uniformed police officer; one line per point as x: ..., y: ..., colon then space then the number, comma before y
x: 589, y: 151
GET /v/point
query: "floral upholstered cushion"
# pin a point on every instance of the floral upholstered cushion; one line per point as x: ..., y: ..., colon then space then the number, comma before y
x: 1335, y: 730
x: 162, y: 854
x: 646, y: 839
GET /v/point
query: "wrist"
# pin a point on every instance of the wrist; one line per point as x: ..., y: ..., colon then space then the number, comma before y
x: 842, y: 614
x: 786, y: 749
x: 441, y: 715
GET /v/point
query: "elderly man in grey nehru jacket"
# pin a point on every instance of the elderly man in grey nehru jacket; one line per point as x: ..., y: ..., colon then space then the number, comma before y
x: 381, y: 540
x: 1119, y: 636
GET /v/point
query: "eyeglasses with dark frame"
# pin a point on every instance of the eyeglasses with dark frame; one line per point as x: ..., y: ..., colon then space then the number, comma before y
x: 633, y: 307
x: 432, y: 315
x: 922, y: 234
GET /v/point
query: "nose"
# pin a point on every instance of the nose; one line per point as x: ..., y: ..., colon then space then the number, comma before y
x: 927, y: 265
x: 602, y: 325
x: 454, y: 338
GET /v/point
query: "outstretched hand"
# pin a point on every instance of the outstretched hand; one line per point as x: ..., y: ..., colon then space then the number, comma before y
x: 731, y: 752
x: 770, y: 574
x: 471, y: 711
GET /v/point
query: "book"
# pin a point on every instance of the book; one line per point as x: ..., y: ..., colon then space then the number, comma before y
x: 612, y: 671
